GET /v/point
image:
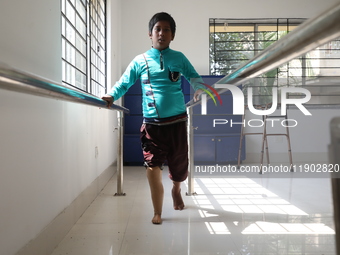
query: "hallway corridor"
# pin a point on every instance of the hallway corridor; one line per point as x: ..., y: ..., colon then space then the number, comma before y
x: 260, y: 216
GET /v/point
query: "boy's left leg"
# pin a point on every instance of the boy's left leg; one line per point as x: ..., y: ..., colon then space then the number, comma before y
x: 176, y: 196
x: 178, y: 162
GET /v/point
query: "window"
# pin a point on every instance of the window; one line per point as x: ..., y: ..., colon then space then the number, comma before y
x: 83, y: 26
x: 234, y: 41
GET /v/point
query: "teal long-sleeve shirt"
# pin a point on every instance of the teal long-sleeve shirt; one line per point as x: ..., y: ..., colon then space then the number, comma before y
x: 159, y: 72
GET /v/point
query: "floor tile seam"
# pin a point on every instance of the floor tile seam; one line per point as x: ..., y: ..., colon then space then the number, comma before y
x: 129, y: 215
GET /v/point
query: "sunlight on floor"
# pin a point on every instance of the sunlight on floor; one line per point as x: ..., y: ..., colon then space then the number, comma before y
x: 287, y: 228
x: 243, y: 195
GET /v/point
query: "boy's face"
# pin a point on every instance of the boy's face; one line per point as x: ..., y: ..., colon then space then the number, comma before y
x: 161, y: 35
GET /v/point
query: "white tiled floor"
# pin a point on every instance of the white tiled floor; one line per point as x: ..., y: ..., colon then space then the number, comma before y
x: 238, y: 215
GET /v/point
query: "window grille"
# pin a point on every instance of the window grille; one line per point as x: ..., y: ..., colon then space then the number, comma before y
x: 235, y: 41
x: 83, y: 26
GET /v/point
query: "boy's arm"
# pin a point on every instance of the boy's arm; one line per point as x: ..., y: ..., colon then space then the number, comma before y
x: 194, y: 79
x: 128, y: 78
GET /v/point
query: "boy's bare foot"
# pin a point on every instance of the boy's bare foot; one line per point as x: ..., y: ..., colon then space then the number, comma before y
x: 177, y: 198
x: 157, y: 219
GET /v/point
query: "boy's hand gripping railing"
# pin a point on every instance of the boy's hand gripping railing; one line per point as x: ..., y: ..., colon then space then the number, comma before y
x: 308, y: 36
x: 19, y: 81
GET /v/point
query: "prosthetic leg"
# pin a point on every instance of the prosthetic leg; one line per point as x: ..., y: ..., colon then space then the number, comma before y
x: 154, y: 175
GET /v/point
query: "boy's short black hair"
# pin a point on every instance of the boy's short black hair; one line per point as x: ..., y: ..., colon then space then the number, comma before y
x: 162, y: 16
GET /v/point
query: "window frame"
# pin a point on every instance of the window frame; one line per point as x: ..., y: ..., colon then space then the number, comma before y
x: 84, y: 45
x: 315, y: 70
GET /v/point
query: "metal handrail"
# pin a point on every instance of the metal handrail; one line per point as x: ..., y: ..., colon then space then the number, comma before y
x: 308, y: 36
x: 19, y: 81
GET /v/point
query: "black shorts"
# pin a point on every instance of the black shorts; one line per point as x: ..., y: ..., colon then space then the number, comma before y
x: 166, y: 144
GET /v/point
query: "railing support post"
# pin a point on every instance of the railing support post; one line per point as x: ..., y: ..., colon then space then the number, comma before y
x: 334, y: 153
x: 120, y: 154
x: 190, y: 131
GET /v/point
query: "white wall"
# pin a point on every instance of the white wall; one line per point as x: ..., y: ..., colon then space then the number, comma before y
x: 47, y: 146
x: 30, y: 36
x: 192, y: 19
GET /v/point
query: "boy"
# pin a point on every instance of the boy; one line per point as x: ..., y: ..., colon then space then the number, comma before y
x: 164, y: 131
